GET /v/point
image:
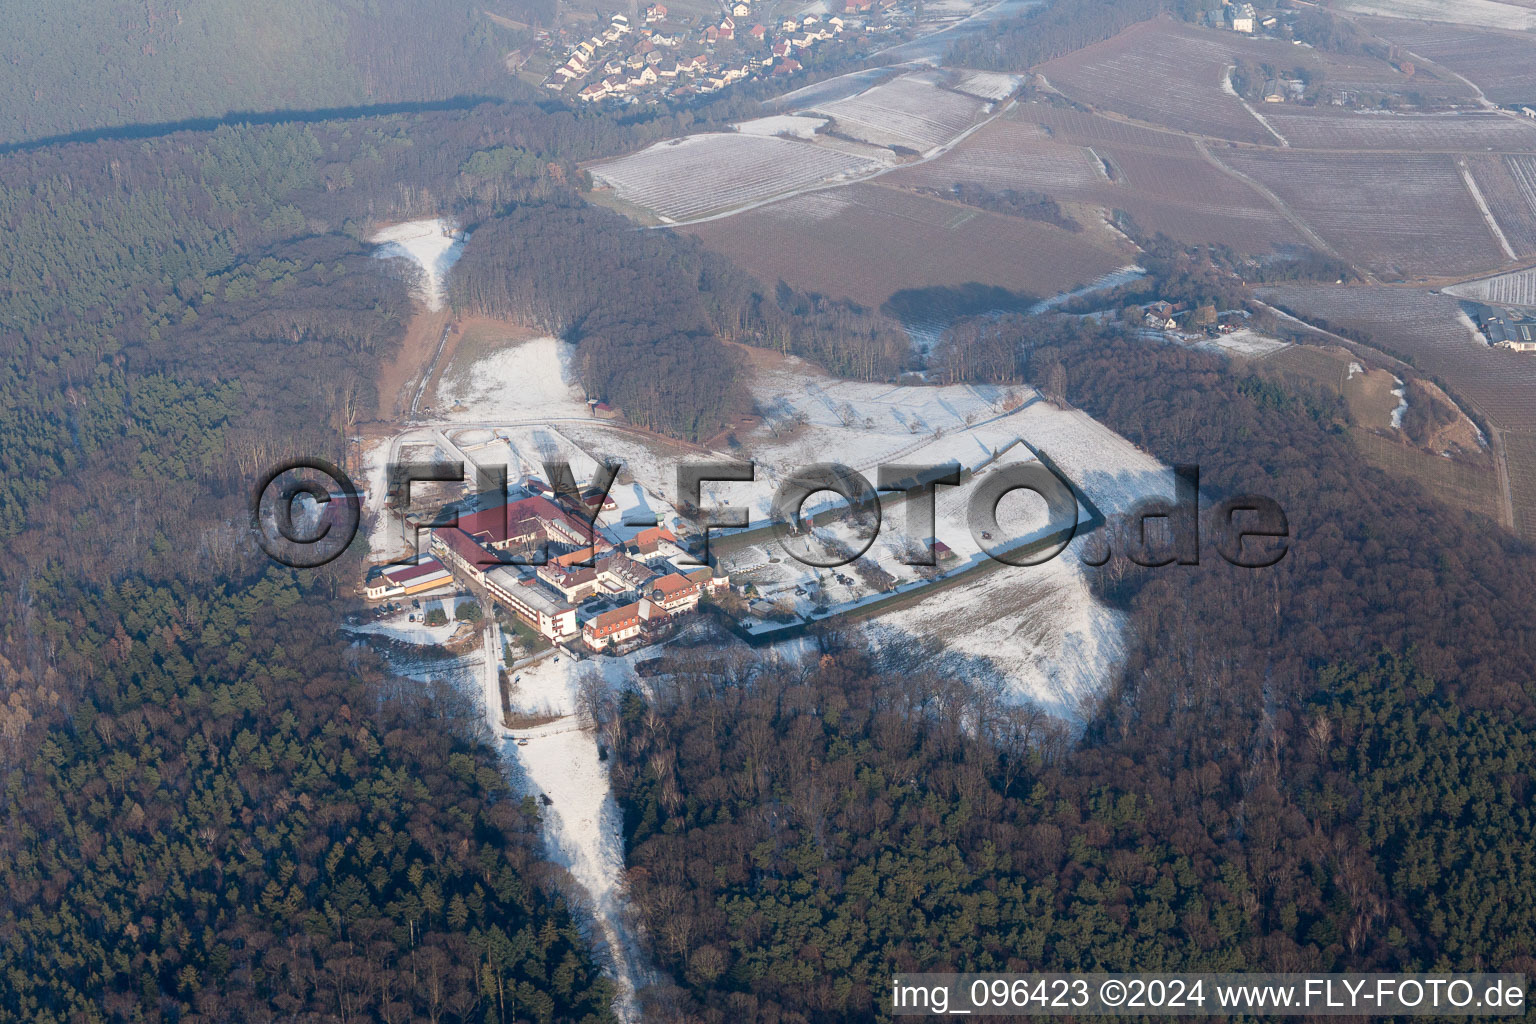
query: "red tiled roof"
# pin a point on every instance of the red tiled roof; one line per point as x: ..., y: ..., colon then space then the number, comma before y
x: 463, y: 545
x: 673, y: 584
x: 655, y: 535
x: 609, y: 622
x: 406, y: 573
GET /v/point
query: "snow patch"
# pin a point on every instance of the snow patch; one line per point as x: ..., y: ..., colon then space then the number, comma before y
x: 794, y: 125
x: 433, y: 245
x: 528, y: 380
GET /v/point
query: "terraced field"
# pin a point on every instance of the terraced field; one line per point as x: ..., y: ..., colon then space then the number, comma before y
x: 868, y: 241
x: 1334, y: 128
x: 912, y: 112
x: 1405, y: 217
x: 702, y: 174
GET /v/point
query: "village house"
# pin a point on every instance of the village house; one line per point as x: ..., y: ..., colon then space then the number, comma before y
x: 655, y: 13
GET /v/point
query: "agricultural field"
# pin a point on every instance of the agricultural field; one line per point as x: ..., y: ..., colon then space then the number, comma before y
x: 1483, y: 13
x: 868, y: 241
x: 1371, y: 77
x: 1508, y: 184
x: 1517, y: 288
x: 1161, y: 73
x: 985, y: 85
x: 1431, y: 228
x: 1520, y: 455
x: 1498, y: 62
x: 1337, y: 128
x: 698, y: 175
x: 1435, y: 333
x: 911, y: 112
x: 1013, y: 152
x: 1160, y: 178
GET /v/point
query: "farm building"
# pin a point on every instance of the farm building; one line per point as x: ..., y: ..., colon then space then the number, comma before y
x: 1511, y: 331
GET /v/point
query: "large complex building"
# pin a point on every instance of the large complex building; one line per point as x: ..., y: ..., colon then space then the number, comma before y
x: 575, y: 565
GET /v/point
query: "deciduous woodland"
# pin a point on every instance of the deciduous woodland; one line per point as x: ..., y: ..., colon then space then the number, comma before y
x: 1324, y: 766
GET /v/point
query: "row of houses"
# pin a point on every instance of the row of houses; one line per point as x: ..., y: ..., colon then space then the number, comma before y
x: 651, y: 61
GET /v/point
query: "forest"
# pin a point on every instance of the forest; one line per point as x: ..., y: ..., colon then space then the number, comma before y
x: 216, y: 808
x: 1268, y: 788
x: 91, y: 64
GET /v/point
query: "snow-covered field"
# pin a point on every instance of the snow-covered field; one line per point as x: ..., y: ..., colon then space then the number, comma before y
x: 1037, y: 630
x: 431, y: 245
x: 911, y: 111
x: 530, y: 380
x: 1487, y: 13
x: 1245, y: 343
x: 796, y: 125
x: 703, y: 174
x: 987, y: 85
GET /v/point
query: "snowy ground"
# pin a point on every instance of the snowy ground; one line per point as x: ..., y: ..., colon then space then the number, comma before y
x: 1487, y: 13
x: 431, y: 245
x: 1245, y: 343
x: 799, y: 126
x: 987, y: 85
x: 529, y: 380
x: 584, y: 828
x: 1038, y: 630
